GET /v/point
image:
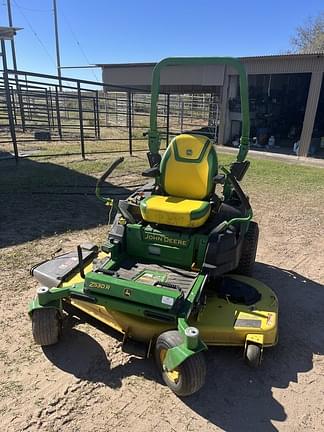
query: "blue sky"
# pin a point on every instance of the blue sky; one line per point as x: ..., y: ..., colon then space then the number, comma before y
x: 112, y: 31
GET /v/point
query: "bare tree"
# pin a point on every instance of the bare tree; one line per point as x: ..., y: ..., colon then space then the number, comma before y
x: 309, y: 37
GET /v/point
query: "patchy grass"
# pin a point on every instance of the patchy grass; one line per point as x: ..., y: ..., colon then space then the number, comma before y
x: 10, y: 388
x: 34, y: 173
x: 280, y: 176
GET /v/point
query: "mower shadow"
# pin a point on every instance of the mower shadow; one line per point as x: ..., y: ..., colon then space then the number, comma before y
x: 44, y: 199
x: 82, y: 356
x: 238, y: 398
x: 234, y: 397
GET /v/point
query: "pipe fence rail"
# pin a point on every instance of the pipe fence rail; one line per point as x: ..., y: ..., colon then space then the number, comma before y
x: 40, y: 117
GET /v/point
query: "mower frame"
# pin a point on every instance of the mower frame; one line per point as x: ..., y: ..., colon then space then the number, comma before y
x: 132, y: 306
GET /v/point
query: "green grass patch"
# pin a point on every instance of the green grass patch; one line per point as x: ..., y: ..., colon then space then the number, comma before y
x: 280, y: 175
x: 33, y: 173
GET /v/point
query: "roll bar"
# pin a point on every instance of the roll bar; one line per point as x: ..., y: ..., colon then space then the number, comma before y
x: 153, y: 134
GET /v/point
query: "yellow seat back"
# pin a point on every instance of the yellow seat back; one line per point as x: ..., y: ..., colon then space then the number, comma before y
x: 188, y: 167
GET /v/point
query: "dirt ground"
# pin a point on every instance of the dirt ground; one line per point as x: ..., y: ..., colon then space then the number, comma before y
x: 86, y: 383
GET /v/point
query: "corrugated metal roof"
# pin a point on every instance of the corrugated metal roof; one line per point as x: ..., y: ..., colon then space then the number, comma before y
x: 279, y: 56
x: 257, y: 57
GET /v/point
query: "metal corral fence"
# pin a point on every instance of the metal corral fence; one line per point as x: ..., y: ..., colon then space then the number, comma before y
x: 40, y: 117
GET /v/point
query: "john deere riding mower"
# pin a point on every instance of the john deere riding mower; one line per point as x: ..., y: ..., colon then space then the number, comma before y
x: 173, y: 274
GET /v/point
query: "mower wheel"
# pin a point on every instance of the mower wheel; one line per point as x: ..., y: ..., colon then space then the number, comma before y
x: 249, y: 250
x: 46, y: 326
x: 253, y: 355
x: 189, y: 376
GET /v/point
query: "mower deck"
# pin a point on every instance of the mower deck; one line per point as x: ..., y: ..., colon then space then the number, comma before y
x: 220, y: 322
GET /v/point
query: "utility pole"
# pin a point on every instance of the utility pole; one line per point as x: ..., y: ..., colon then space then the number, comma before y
x: 13, y: 50
x: 58, y: 60
x: 7, y: 33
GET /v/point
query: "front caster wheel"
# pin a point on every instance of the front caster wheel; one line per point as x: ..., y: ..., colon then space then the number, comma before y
x: 253, y: 355
x: 46, y: 326
x: 189, y: 376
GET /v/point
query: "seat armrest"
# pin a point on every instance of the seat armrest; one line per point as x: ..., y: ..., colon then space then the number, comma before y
x: 151, y: 172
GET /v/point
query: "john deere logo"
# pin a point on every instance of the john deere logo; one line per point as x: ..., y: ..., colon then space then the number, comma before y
x: 189, y: 152
x: 165, y: 239
x: 127, y: 292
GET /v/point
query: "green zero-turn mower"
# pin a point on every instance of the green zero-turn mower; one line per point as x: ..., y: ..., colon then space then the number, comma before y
x: 174, y: 273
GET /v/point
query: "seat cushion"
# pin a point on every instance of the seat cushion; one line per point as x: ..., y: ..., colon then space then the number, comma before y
x: 181, y: 212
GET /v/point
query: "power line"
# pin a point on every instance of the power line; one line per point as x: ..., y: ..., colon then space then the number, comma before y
x: 33, y: 10
x: 34, y: 32
x: 82, y: 51
x: 79, y: 46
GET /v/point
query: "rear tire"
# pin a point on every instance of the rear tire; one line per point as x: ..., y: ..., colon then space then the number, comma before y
x: 46, y: 326
x: 189, y: 376
x: 249, y: 250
